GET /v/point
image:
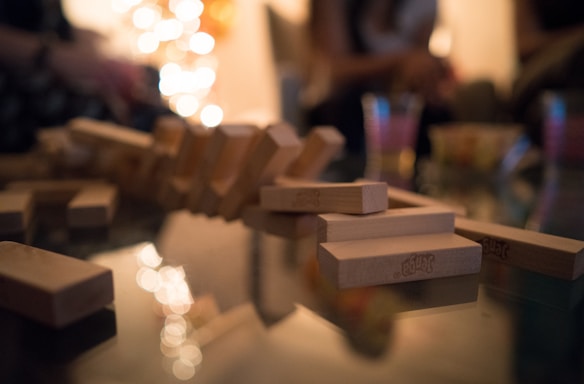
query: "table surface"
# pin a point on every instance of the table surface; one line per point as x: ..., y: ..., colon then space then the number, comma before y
x: 207, y: 301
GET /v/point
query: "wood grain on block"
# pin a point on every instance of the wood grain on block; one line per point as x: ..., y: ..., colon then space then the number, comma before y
x: 320, y: 147
x: 547, y: 254
x: 51, y: 288
x: 358, y: 198
x: 228, y: 146
x: 93, y: 207
x: 392, y: 222
x: 401, y: 198
x: 287, y: 225
x: 53, y: 191
x: 16, y: 208
x: 191, y: 151
x: 100, y: 133
x: 369, y: 262
x: 276, y: 148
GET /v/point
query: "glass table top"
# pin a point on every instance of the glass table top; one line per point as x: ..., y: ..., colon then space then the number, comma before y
x: 202, y: 300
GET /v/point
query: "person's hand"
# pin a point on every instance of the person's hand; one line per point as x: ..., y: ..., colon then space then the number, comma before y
x: 425, y: 74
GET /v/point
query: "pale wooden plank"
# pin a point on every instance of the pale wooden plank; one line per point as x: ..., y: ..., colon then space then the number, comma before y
x: 287, y: 225
x: 320, y: 147
x: 539, y: 252
x: 357, y: 198
x: 51, y: 288
x: 93, y: 206
x: 396, y: 259
x: 190, y: 153
x: 276, y: 148
x: 16, y: 209
x: 392, y: 222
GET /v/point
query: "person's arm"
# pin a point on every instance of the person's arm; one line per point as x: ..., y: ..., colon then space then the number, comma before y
x: 530, y: 37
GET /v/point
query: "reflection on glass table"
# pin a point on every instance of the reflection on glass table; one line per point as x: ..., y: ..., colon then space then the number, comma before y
x: 208, y: 301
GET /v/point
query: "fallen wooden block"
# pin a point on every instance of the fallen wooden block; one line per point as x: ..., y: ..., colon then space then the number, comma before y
x: 276, y: 148
x: 173, y: 193
x: 358, y: 198
x: 228, y: 146
x: 321, y: 145
x: 52, y: 192
x: 369, y: 262
x: 287, y: 225
x: 392, y: 222
x: 547, y: 254
x: 212, y: 195
x: 191, y: 150
x: 16, y: 209
x: 103, y: 134
x: 94, y: 206
x: 168, y: 132
x: 50, y: 288
x: 401, y: 198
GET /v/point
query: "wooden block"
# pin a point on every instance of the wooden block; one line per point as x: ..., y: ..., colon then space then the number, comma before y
x: 358, y: 197
x: 173, y: 193
x: 400, y: 198
x: 51, y: 288
x: 228, y: 146
x: 93, y: 206
x: 168, y: 132
x: 288, y: 225
x: 547, y: 254
x: 16, y: 208
x: 53, y: 192
x: 100, y: 133
x: 392, y: 222
x: 322, y: 144
x: 190, y: 153
x: 276, y: 148
x: 211, y: 197
x: 369, y: 262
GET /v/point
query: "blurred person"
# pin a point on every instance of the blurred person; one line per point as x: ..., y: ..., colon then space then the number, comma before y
x: 362, y: 46
x: 549, y: 37
x: 51, y: 71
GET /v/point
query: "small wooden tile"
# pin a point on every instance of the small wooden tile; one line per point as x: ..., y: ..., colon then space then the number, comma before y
x: 92, y: 207
x: 320, y: 147
x: 392, y: 222
x: 357, y: 198
x: 276, y: 148
x: 51, y: 288
x: 16, y: 209
x: 191, y: 150
x: 547, y: 254
x: 168, y: 132
x: 369, y: 262
x: 287, y: 225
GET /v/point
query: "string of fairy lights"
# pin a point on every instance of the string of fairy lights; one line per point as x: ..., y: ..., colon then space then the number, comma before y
x: 178, y: 37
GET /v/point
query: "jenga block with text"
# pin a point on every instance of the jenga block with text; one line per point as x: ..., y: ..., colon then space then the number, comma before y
x: 359, y: 263
x: 92, y: 207
x: 356, y: 198
x: 287, y: 225
x: 334, y: 227
x: 538, y: 252
x: 228, y: 146
x: 51, y: 288
x: 321, y: 145
x: 16, y: 209
x: 276, y: 148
